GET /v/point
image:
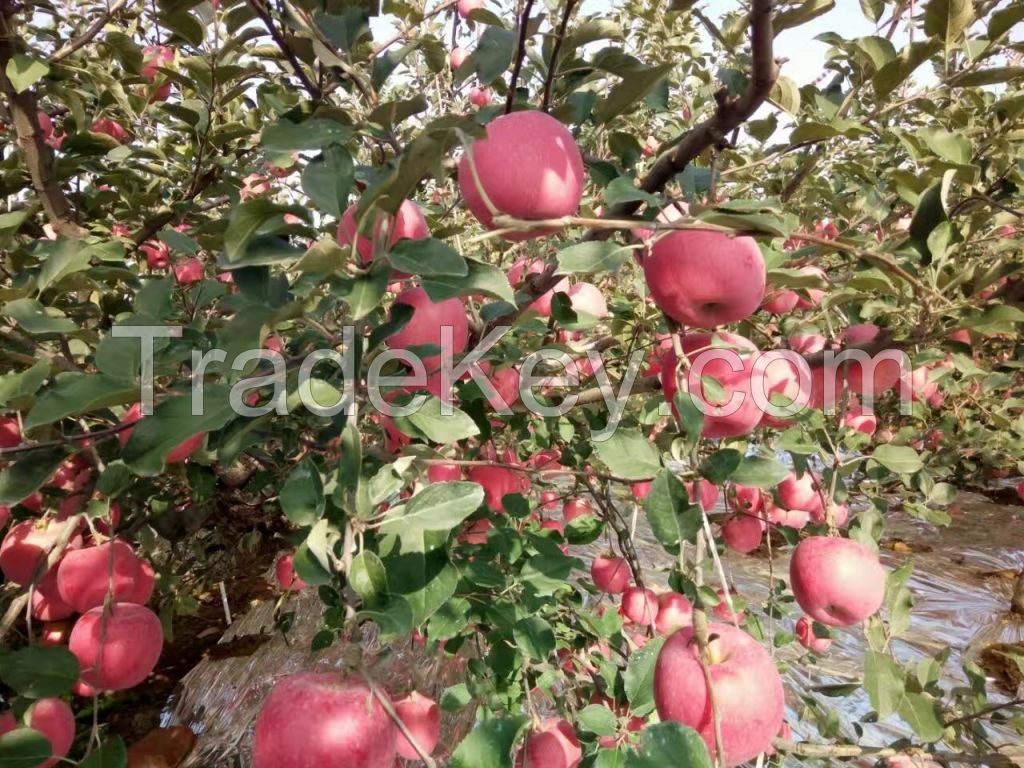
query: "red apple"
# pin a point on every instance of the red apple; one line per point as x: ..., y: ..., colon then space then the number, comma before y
x: 675, y: 611
x: 480, y: 97
x: 746, y: 498
x: 780, y: 302
x: 182, y: 452
x: 154, y: 57
x: 552, y: 744
x: 747, y: 688
x: 708, y: 494
x: 704, y: 279
x: 860, y: 419
x: 457, y: 57
x: 144, y: 585
x: 465, y: 7
x: 587, y: 298
x: 743, y: 532
x: 836, y: 581
x: 284, y: 572
x: 639, y: 606
x: 47, y: 604
x: 132, y: 639
x: 408, y: 224
x: 800, y: 492
x: 530, y: 168
x: 10, y: 432
x: 734, y: 413
x: 498, y: 482
x: 189, y: 271
x: 320, y: 720
x: 52, y: 718
x: 444, y: 473
x: 422, y: 718
x: 815, y: 295
x: 611, y: 574
x: 805, y: 636
x: 111, y: 128
x: 788, y: 518
x: 424, y: 328
x: 807, y: 343
x: 85, y: 575
x: 577, y: 507
x: 25, y: 547
x: 158, y: 254
x: 549, y: 500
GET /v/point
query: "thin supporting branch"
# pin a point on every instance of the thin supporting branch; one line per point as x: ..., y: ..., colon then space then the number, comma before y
x: 75, y: 438
x: 268, y: 22
x: 524, y: 24
x: 86, y: 37
x: 556, y: 50
x: 385, y: 701
x: 409, y: 30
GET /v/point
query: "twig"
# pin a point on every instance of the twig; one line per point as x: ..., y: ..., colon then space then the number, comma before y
x: 101, y: 434
x: 524, y: 23
x: 385, y: 701
x: 86, y: 37
x: 268, y: 22
x: 556, y: 49
x: 405, y: 32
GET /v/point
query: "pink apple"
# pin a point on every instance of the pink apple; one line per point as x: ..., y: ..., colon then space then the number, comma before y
x: 422, y: 717
x: 255, y: 185
x: 639, y: 606
x: 111, y: 128
x: 707, y: 491
x: 284, y: 572
x: 780, y: 302
x: 505, y: 381
x: 836, y: 581
x: 85, y: 575
x: 641, y: 490
x: 189, y: 271
x: 675, y: 611
x: 476, y: 533
x: 704, y: 279
x: 154, y: 57
x: 587, y: 298
x: 180, y: 453
x: 747, y: 688
x: 722, y: 418
x: 806, y: 637
x: 530, y: 168
x: 800, y: 492
x: 144, y: 585
x: 746, y: 498
x: 549, y: 500
x: 120, y: 650
x: 807, y: 343
x: 158, y: 254
x: 47, y: 604
x: 480, y: 97
x: 497, y: 483
x: 743, y: 532
x: 466, y: 7
x: 407, y: 224
x: 815, y: 295
x: 25, y: 547
x: 860, y: 419
x: 425, y: 327
x: 724, y: 612
x: 962, y: 336
x: 577, y: 507
x: 457, y: 57
x: 552, y: 744
x: 781, y: 388
x: 788, y: 518
x: 52, y: 718
x: 320, y: 720
x: 610, y: 574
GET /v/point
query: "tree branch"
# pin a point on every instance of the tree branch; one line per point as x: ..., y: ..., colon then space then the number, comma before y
x: 524, y: 23
x: 86, y: 37
x: 24, y: 111
x: 405, y: 32
x: 268, y: 22
x: 555, y: 51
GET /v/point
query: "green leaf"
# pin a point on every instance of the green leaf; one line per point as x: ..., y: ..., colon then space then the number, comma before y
x: 719, y: 466
x: 302, y: 495
x: 633, y: 87
x: 435, y: 426
x: 40, y: 672
x: 173, y: 422
x: 14, y: 386
x: 74, y: 394
x: 989, y: 76
x: 110, y: 754
x: 930, y: 212
x: 315, y: 133
x: 954, y: 147
x: 801, y: 13
x: 1005, y: 19
x: 920, y: 713
x: 364, y: 293
x: 947, y: 20
x: 61, y: 258
x: 248, y: 219
x: 624, y: 190
x: 427, y: 257
x: 873, y: 9
x: 35, y: 319
x: 489, y: 744
x: 592, y: 257
x: 439, y: 507
x: 884, y: 681
x: 639, y: 677
x: 481, y: 278
x: 25, y: 71
x: 395, y: 620
x: 426, y: 579
x: 492, y: 56
x: 455, y: 697
x: 759, y: 472
x: 598, y: 719
x: 24, y: 748
x: 23, y: 477
x: 889, y: 77
x: 534, y: 637
x: 901, y: 459
x: 327, y: 179
x: 998, y: 319
x: 368, y: 577
x: 665, y: 505
x: 630, y: 455
x: 669, y: 743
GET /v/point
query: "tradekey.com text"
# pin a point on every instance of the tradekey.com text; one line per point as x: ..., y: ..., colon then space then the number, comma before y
x: 720, y: 380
